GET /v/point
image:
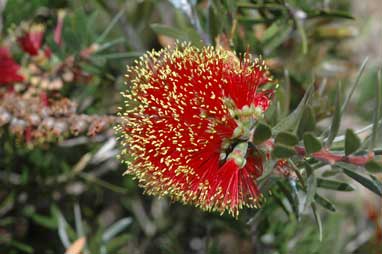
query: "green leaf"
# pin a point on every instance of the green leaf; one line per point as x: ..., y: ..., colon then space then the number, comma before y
x: 352, y: 142
x: 46, y: 221
x: 311, y: 143
x: 78, y: 220
x: 271, y: 31
x: 301, y: 31
x: 377, y: 111
x: 168, y: 31
x: 115, y: 229
x: 335, y: 126
x: 284, y: 94
x: 373, y: 166
x: 215, y: 22
x: 42, y: 220
x: 183, y: 35
x: 252, y: 21
x: 291, y: 196
x: 278, y: 198
x: 114, y: 21
x: 332, y: 172
x: 16, y: 245
x: 311, y: 190
x: 308, y: 121
x: 283, y: 151
x: 324, y: 203
x: 213, y: 26
x: 260, y: 6
x: 8, y: 201
x: 366, y: 182
x: 262, y: 133
x: 356, y: 83
x: 333, y: 185
x: 231, y: 6
x: 119, y: 55
x: 115, y: 244
x: 376, y: 181
x: 275, y: 35
x: 329, y: 14
x: 62, y: 230
x: 293, y: 119
x: 286, y: 138
x: 317, y: 218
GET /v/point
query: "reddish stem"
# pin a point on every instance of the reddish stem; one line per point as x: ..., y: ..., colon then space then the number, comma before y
x: 331, y: 158
x: 327, y: 156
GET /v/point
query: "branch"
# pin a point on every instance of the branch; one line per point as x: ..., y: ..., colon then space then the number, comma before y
x: 331, y: 158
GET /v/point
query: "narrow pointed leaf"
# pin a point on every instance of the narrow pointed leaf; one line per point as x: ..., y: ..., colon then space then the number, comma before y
x: 311, y: 190
x: 290, y: 195
x: 168, y: 31
x: 183, y: 35
x: 116, y: 228
x: 301, y: 31
x: 215, y: 24
x: 262, y: 133
x: 286, y: 138
x: 292, y: 120
x: 115, y: 20
x: 311, y: 143
x: 308, y: 121
x: 331, y: 172
x: 283, y: 151
x: 260, y: 6
x: 373, y: 166
x: 377, y: 111
x: 352, y: 142
x: 335, y: 126
x: 324, y: 203
x: 376, y: 181
x: 317, y: 218
x: 356, y: 83
x: 278, y: 199
x: 329, y: 14
x: 333, y: 185
x: 17, y: 246
x: 366, y: 182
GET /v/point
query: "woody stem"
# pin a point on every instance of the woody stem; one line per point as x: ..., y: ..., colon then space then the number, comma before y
x: 331, y: 158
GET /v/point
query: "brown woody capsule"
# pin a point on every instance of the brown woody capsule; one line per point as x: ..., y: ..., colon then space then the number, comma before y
x: 5, y: 117
x: 34, y: 119
x: 48, y: 123
x: 78, y: 125
x: 17, y: 126
x: 59, y: 128
x: 97, y: 126
x: 55, y: 84
x: 63, y: 107
x: 68, y: 76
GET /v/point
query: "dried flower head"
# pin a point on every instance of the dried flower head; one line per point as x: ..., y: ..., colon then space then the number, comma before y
x: 187, y: 123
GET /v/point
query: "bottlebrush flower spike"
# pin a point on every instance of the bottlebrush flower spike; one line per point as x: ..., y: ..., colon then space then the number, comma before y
x: 8, y: 68
x: 58, y: 30
x: 31, y: 41
x: 188, y: 119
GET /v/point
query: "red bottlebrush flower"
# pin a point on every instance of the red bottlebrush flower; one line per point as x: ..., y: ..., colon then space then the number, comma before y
x: 48, y: 52
x: 188, y: 120
x: 8, y: 68
x: 58, y: 30
x: 31, y: 41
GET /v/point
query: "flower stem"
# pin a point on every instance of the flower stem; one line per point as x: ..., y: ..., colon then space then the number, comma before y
x: 331, y: 158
